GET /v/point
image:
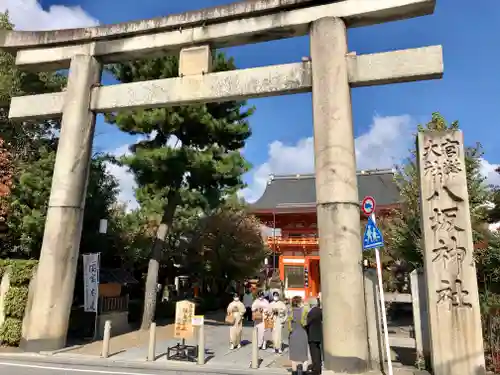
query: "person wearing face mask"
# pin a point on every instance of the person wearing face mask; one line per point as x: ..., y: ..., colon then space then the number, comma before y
x: 297, y: 339
x: 279, y: 315
x: 259, y: 307
x: 235, y: 313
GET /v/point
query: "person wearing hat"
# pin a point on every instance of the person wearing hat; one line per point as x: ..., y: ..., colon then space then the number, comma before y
x: 279, y: 317
x: 235, y: 313
x: 260, y: 307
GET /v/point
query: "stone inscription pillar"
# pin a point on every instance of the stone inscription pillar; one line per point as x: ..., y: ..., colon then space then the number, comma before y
x: 345, y: 333
x: 55, y: 277
x: 450, y: 272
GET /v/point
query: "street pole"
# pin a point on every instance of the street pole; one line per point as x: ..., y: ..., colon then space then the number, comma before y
x: 382, y: 307
x: 103, y: 229
x: 274, y: 241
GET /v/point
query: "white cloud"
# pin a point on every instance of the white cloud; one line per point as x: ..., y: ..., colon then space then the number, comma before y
x: 29, y: 15
x: 489, y: 171
x: 125, y: 179
x: 380, y: 147
x: 386, y: 143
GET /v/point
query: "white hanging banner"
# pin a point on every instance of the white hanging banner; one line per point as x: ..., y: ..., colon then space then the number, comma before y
x: 91, y: 281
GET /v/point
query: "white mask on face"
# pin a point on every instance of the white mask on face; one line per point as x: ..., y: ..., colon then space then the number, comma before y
x: 276, y: 298
x: 261, y: 298
x: 236, y: 299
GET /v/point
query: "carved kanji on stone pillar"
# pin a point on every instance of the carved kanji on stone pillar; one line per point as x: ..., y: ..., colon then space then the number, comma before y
x: 454, y: 316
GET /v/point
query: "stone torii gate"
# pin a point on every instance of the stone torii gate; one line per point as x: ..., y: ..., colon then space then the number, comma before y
x: 330, y: 75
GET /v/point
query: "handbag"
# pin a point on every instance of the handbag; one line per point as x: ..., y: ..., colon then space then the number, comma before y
x: 229, y: 319
x: 269, y: 323
x: 257, y: 315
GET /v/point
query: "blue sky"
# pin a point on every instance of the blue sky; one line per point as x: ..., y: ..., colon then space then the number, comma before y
x: 384, y: 116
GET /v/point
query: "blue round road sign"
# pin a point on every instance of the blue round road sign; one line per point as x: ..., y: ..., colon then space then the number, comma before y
x: 368, y: 205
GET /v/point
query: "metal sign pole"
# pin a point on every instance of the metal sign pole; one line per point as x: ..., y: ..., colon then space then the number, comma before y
x: 383, y: 309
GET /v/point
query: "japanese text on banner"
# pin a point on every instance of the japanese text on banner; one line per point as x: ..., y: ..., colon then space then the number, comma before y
x: 91, y: 281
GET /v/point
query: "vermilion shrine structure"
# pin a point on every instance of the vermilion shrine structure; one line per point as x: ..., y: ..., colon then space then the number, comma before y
x: 330, y: 74
x: 288, y: 205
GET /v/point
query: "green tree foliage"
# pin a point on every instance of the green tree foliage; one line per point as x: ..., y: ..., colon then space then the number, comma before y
x: 22, y: 142
x: 226, y: 245
x: 190, y: 156
x: 494, y: 212
x: 102, y: 192
x: 24, y: 138
x: 394, y: 268
x: 9, y: 76
x: 404, y: 233
x: 28, y: 203
x: 130, y: 234
x: 30, y: 148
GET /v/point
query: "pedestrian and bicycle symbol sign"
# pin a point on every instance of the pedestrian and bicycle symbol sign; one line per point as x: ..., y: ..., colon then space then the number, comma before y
x: 373, y: 236
x: 368, y: 205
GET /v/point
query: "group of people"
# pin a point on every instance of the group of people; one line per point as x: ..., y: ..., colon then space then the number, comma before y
x: 304, y: 325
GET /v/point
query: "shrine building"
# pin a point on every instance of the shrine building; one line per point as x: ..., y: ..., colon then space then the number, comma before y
x: 288, y: 208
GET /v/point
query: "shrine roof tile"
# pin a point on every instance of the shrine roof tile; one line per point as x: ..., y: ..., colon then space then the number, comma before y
x: 299, y: 191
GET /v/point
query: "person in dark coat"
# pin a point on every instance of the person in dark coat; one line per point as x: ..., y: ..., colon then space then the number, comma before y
x: 297, y: 340
x: 314, y: 328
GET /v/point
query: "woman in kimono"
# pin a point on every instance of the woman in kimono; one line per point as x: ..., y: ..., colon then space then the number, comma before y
x: 235, y: 312
x: 297, y: 341
x: 260, y: 307
x: 279, y: 315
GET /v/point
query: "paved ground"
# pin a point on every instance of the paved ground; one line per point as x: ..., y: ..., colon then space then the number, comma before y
x: 19, y: 368
x: 133, y: 346
x: 47, y: 366
x: 39, y: 368
x: 217, y: 349
x: 120, y: 343
x: 216, y: 345
x: 123, y: 342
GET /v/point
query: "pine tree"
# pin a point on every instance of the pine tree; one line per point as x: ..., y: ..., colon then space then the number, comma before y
x: 191, y: 157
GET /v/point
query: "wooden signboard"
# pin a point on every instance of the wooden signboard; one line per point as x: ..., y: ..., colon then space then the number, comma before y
x: 184, y: 313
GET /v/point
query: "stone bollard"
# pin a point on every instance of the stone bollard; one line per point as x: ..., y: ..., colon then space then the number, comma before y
x: 201, y: 344
x: 152, y: 342
x: 255, y: 349
x: 105, y: 339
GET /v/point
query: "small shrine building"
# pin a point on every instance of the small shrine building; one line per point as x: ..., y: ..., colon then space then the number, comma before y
x: 288, y: 208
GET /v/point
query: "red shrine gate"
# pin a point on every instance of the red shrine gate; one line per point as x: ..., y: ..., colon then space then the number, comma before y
x: 289, y: 204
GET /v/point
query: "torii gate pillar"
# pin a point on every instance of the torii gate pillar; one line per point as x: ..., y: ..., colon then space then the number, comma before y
x: 344, y: 320
x: 47, y: 327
